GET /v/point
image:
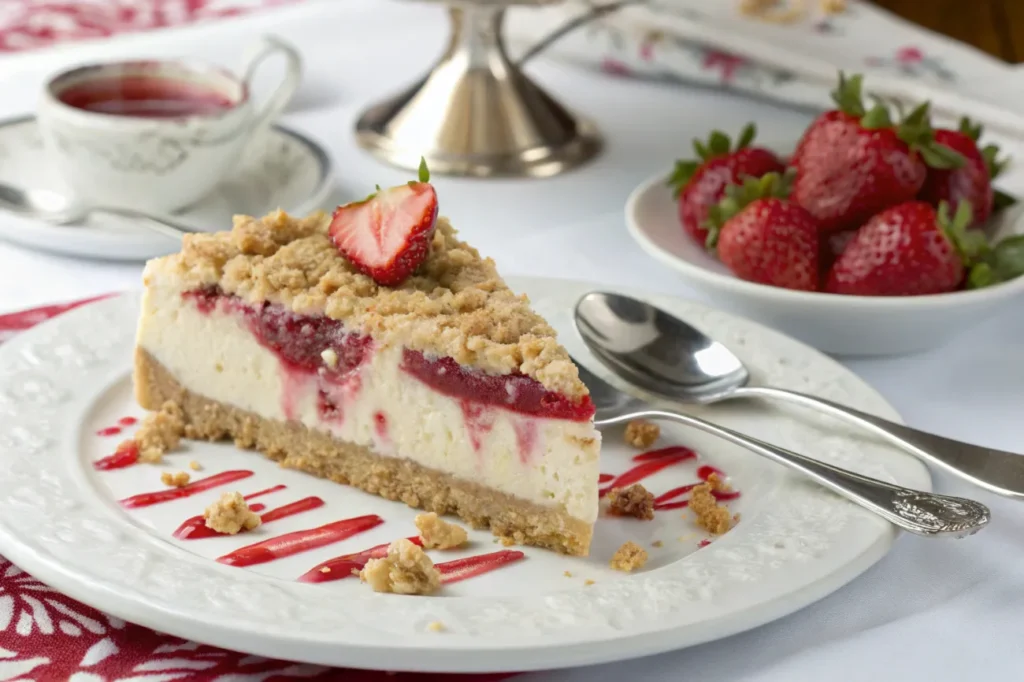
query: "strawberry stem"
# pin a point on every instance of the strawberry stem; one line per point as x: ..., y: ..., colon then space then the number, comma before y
x: 739, y: 196
x: 424, y: 172
x: 847, y: 95
x: 1002, y: 263
x: 718, y: 144
x: 971, y: 245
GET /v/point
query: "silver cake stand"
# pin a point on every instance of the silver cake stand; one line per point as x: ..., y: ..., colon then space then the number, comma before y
x: 476, y: 113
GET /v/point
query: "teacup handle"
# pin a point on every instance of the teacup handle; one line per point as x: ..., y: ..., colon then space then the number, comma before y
x: 266, y: 48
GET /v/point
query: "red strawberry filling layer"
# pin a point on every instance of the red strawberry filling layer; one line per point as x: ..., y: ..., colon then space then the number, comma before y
x: 300, y: 343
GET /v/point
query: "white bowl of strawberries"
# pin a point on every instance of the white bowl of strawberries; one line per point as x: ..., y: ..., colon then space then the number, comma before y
x: 872, y: 238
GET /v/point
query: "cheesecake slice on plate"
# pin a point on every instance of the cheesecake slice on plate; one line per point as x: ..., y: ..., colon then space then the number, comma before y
x: 376, y: 349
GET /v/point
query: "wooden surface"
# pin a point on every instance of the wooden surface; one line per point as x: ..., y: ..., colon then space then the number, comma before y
x: 995, y: 26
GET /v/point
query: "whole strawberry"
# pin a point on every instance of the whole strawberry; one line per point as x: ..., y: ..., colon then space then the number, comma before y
x: 388, y: 234
x: 764, y: 238
x: 852, y: 163
x: 973, y: 181
x: 698, y: 185
x: 908, y: 250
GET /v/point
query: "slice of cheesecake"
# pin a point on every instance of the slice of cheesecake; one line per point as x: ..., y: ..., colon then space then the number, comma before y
x: 445, y: 391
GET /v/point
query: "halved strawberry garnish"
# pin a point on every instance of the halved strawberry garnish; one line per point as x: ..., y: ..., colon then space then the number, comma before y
x: 388, y: 234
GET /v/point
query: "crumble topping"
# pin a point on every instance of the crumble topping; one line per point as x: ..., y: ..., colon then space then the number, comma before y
x: 437, y: 533
x: 178, y: 480
x: 456, y: 305
x: 629, y: 557
x: 230, y: 514
x: 633, y: 501
x: 642, y: 434
x: 405, y: 570
x: 160, y: 432
x: 711, y: 516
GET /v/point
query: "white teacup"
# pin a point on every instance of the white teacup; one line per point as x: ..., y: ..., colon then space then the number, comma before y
x: 156, y: 135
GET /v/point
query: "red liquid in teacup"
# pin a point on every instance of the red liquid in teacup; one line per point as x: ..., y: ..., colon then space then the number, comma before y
x: 147, y: 97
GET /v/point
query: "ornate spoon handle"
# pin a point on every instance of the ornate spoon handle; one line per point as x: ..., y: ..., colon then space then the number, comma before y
x: 995, y: 470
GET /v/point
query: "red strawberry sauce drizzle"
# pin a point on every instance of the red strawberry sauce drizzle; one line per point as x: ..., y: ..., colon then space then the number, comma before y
x: 193, y: 488
x: 454, y: 571
x: 125, y: 456
x: 195, y: 528
x: 300, y: 541
x: 654, y: 461
x: 515, y: 392
x: 116, y: 429
x: 342, y: 566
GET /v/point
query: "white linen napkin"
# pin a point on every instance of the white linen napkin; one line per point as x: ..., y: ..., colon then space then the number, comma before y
x: 714, y: 43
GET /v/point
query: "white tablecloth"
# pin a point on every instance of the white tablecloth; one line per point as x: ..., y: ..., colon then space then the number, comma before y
x: 931, y: 610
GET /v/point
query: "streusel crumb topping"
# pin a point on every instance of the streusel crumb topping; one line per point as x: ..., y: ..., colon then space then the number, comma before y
x: 456, y: 305
x: 405, y: 570
x: 437, y: 533
x: 230, y: 514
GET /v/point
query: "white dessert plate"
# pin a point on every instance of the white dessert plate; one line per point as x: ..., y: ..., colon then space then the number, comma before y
x: 280, y: 169
x: 65, y: 381
x: 843, y: 325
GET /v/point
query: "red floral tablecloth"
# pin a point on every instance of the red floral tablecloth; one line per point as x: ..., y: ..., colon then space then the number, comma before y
x: 32, y: 24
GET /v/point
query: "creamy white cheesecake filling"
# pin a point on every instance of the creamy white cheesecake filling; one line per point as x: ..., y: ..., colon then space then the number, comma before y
x: 214, y: 354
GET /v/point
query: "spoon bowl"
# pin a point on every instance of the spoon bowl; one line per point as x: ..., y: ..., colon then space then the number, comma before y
x: 57, y: 209
x: 667, y: 357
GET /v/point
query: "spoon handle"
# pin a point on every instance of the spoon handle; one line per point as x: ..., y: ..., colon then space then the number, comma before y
x: 919, y: 512
x: 995, y: 470
x: 162, y: 225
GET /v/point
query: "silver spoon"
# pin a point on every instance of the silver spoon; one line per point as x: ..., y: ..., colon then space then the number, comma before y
x: 661, y: 354
x: 55, y: 208
x: 928, y: 514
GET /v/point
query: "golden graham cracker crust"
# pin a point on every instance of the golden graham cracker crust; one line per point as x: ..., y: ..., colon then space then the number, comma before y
x: 296, y: 446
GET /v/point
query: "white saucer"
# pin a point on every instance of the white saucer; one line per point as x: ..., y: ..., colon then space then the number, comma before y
x: 281, y: 169
x: 795, y: 542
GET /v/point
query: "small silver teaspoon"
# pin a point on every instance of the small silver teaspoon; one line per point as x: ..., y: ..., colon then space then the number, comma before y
x: 55, y: 208
x: 927, y: 514
x: 665, y: 356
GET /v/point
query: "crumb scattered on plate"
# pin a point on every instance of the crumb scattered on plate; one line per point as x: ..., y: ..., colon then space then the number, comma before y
x: 657, y: 543
x: 567, y: 574
x: 195, y: 466
x: 633, y: 501
x: 588, y: 582
x: 178, y: 480
x: 629, y: 557
x: 436, y: 626
x: 711, y: 516
x: 437, y: 533
x: 230, y: 514
x: 405, y: 570
x: 642, y: 434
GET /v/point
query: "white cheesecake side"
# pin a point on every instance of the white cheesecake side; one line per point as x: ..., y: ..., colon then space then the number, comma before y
x: 213, y: 353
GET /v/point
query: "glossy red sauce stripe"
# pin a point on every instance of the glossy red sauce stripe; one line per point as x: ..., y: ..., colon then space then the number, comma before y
x: 470, y: 567
x: 300, y: 541
x: 195, y: 528
x: 670, y: 451
x: 203, y: 484
x: 341, y: 567
x: 643, y: 470
x: 605, y: 478
x: 124, y: 457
